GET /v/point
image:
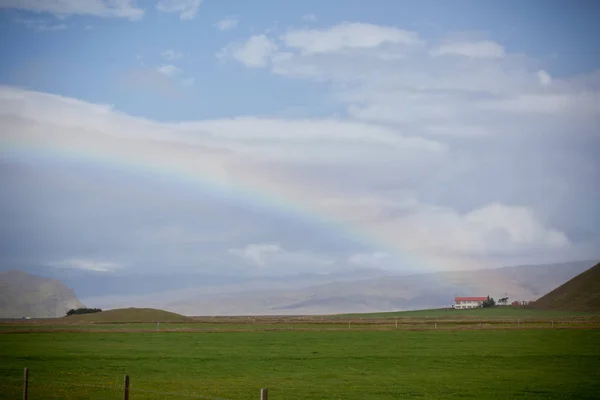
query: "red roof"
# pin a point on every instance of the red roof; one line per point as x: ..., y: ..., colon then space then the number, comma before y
x: 470, y: 298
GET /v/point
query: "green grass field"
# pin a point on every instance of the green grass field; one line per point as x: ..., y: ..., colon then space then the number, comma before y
x: 479, y: 313
x: 484, y: 364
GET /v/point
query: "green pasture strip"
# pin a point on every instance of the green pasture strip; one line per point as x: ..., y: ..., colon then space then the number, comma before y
x: 507, y: 312
x: 492, y: 364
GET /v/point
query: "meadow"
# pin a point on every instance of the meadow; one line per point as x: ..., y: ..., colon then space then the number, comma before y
x: 317, y: 364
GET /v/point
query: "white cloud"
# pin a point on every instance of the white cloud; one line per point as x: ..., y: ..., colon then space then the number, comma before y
x: 63, y: 8
x: 377, y: 259
x: 309, y: 18
x: 88, y: 265
x: 275, y: 257
x: 439, y: 157
x: 187, y: 9
x: 227, y: 23
x: 442, y: 232
x: 171, y: 54
x: 259, y: 254
x: 404, y: 86
x: 188, y: 81
x: 544, y: 77
x: 281, y: 138
x: 169, y: 70
x: 41, y: 25
x: 475, y: 49
x: 254, y: 53
x: 346, y: 36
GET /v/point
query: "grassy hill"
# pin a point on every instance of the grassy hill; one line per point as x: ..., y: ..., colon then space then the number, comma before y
x: 581, y: 293
x: 128, y: 315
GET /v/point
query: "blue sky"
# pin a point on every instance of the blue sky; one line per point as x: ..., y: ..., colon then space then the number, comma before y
x: 556, y: 33
x: 398, y: 135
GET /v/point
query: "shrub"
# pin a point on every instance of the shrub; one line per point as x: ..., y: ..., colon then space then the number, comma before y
x: 83, y: 311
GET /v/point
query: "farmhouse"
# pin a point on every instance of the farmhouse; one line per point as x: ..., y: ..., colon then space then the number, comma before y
x: 468, y: 302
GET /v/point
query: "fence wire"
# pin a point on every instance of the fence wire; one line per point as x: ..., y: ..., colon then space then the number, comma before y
x: 45, y: 388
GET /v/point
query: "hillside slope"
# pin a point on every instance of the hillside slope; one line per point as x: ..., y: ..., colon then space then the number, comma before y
x: 127, y: 315
x: 582, y: 293
x: 26, y: 295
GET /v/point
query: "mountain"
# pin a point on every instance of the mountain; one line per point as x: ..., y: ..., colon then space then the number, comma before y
x: 393, y: 293
x: 582, y: 293
x: 365, y: 292
x: 26, y: 295
x: 92, y: 284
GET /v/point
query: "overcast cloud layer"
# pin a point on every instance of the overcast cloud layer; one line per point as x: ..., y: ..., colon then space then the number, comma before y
x: 413, y: 151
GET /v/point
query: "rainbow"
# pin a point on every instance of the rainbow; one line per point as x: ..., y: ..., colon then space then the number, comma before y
x: 237, y: 179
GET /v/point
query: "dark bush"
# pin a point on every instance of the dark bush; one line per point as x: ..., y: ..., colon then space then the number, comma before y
x: 83, y: 311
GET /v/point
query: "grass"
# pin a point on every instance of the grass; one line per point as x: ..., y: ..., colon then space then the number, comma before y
x: 580, y: 293
x: 145, y: 320
x: 507, y: 312
x: 490, y: 364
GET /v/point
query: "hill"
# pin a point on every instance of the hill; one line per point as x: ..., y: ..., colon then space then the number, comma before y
x: 26, y: 295
x: 582, y: 293
x: 128, y: 315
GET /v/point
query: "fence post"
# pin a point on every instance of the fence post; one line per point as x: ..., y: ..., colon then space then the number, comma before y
x: 553, y: 324
x: 25, y: 383
x: 435, y: 325
x: 518, y: 324
x: 348, y: 324
x: 396, y: 323
x: 126, y: 388
x: 264, y: 394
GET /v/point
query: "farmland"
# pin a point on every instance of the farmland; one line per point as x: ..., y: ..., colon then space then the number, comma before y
x: 305, y: 358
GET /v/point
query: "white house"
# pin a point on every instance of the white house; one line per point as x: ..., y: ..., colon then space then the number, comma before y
x: 468, y: 302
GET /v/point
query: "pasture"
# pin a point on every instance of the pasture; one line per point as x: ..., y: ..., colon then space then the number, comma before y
x: 305, y: 364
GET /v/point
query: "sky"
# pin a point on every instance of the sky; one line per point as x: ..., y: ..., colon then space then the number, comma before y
x: 279, y: 138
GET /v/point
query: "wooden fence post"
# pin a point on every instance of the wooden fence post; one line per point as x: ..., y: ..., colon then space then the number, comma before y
x: 126, y: 388
x: 518, y: 323
x: 264, y: 394
x: 553, y: 324
x: 435, y: 325
x: 396, y: 323
x: 25, y: 383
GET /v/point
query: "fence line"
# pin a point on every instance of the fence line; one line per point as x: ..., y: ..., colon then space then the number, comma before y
x: 127, y: 389
x: 350, y: 323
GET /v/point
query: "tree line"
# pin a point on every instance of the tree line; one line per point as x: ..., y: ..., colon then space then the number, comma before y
x: 83, y: 311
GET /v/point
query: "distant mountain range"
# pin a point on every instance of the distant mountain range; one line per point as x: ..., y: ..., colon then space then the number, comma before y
x: 26, y: 295
x: 391, y: 293
x: 354, y: 291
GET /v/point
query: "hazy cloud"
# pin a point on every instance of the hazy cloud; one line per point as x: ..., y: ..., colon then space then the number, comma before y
x: 476, y: 49
x: 187, y: 9
x: 171, y: 54
x: 309, y: 18
x: 448, y: 155
x: 88, y: 265
x: 227, y: 23
x: 63, y: 8
x: 346, y: 36
x: 254, y: 53
x: 169, y: 70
